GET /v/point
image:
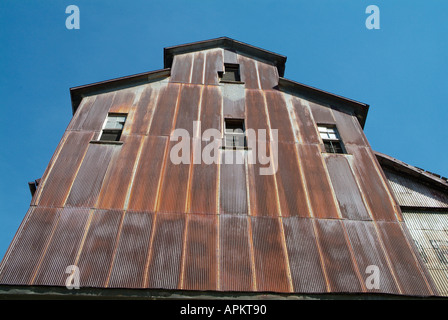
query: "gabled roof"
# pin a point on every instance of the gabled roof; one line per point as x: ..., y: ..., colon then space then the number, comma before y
x: 229, y: 44
x: 421, y: 175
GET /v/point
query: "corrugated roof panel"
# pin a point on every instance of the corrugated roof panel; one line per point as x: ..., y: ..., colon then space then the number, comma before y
x: 278, y: 114
x: 381, y: 206
x: 187, y: 111
x: 197, y: 71
x: 97, y: 112
x: 181, y: 68
x: 119, y: 174
x: 56, y: 186
x: 291, y: 191
x: 268, y: 75
x: 164, y: 266
x: 262, y: 189
x: 89, y: 179
x: 131, y: 255
x: 162, y: 121
x: 339, y: 267
x: 143, y: 110
x: 319, y: 189
x: 235, y: 256
x: 82, y: 113
x: 63, y: 247
x: 271, y: 267
x: 173, y: 189
x: 368, y: 252
x: 234, y: 102
x: 412, y: 193
x: 213, y: 64
x: 144, y: 192
x: 123, y: 101
x: 200, y: 270
x: 256, y: 118
x: 304, y: 260
x: 28, y: 246
x: 211, y: 104
x: 406, y: 269
x: 346, y: 189
x: 248, y: 71
x: 321, y: 114
x: 233, y: 185
x: 97, y: 252
x: 203, y: 187
x: 307, y: 128
x: 349, y: 128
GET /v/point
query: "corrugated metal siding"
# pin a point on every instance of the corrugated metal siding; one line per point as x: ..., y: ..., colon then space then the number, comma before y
x: 134, y: 219
x: 429, y: 230
x: 415, y: 194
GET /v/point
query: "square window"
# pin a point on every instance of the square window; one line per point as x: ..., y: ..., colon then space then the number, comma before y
x: 113, y: 127
x: 231, y: 73
x: 234, y: 135
x: 331, y: 139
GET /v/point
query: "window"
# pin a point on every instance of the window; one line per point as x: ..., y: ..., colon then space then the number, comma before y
x: 331, y: 140
x: 113, y: 127
x: 234, y: 136
x: 231, y: 73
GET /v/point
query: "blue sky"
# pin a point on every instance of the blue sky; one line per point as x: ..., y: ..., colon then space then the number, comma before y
x: 400, y: 70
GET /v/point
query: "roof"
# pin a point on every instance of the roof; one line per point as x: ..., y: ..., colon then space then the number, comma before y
x: 229, y: 44
x: 427, y: 177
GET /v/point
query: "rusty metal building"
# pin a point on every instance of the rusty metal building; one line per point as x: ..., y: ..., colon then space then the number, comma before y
x: 112, y: 203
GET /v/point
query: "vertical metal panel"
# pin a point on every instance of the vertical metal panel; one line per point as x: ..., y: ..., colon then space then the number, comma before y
x: 262, y: 189
x: 267, y: 74
x: 233, y: 100
x: 344, y: 185
x: 123, y: 101
x: 181, y: 68
x: 29, y: 245
x: 211, y: 104
x: 321, y: 114
x: 166, y: 251
x: 248, y: 71
x: 188, y: 108
x: 336, y: 255
x: 350, y: 133
x: 371, y: 185
x: 173, y: 190
x: 200, y: 260
x: 97, y: 112
x: 410, y: 192
x: 256, y: 118
x: 87, y: 185
x: 198, y: 68
x: 82, y: 112
x: 128, y: 270
x: 118, y: 176
x: 306, y: 268
x: 270, y: 262
x: 291, y: 192
x: 143, y: 111
x: 98, y: 249
x: 319, y: 189
x: 368, y: 252
x: 213, y: 64
x: 406, y: 268
x: 230, y: 56
x: 203, y: 185
x: 234, y: 254
x: 63, y: 247
x: 59, y: 180
x: 232, y: 189
x: 306, y: 125
x: 162, y: 121
x: 143, y: 196
x: 279, y: 116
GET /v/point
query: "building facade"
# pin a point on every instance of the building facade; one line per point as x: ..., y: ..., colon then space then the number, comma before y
x: 308, y: 211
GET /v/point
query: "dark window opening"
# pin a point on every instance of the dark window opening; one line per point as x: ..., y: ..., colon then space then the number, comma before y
x: 234, y: 136
x: 330, y: 138
x: 113, y: 128
x: 231, y: 73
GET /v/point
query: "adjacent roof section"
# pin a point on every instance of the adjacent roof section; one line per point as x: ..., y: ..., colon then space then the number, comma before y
x: 229, y: 44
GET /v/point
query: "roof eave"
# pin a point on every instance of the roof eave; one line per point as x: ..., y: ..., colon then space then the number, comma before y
x: 360, y: 109
x: 225, y: 43
x: 77, y: 93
